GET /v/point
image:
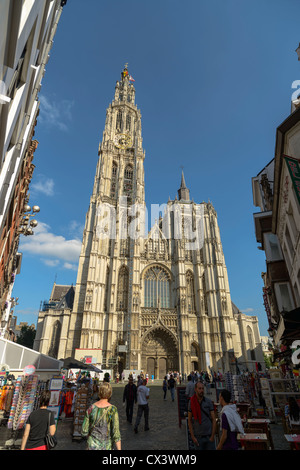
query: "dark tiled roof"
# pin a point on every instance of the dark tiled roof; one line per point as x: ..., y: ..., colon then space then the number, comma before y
x: 58, y: 292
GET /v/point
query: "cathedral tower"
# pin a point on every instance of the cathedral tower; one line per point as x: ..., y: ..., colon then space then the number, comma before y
x: 152, y: 301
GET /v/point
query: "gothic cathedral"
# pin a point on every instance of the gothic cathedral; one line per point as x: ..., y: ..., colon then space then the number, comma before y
x: 155, y: 300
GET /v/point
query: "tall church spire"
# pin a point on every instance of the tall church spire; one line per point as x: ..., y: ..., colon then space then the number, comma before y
x: 183, y: 191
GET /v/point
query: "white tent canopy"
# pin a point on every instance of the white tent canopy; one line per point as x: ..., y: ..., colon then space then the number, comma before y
x: 17, y: 357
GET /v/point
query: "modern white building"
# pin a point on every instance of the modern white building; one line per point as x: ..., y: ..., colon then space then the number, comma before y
x: 27, y: 29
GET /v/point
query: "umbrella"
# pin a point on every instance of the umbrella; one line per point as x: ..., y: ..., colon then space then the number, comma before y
x: 71, y: 363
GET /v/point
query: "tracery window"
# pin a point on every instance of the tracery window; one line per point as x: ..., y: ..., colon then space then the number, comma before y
x: 113, y: 187
x: 119, y: 120
x: 204, y: 294
x: 106, y: 302
x: 55, y: 337
x: 157, y: 288
x: 128, y: 183
x: 128, y: 122
x: 190, y: 292
x: 122, y: 295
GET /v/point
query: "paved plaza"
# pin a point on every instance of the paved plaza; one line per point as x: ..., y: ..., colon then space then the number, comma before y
x: 164, y: 433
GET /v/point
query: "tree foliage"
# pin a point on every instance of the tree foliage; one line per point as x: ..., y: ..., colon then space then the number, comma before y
x: 27, y: 335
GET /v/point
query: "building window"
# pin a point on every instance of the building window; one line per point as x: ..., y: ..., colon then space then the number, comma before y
x: 190, y: 293
x: 272, y: 248
x: 128, y: 183
x: 157, y: 288
x: 55, y: 337
x: 122, y: 296
x: 119, y: 120
x: 128, y: 122
x: 106, y: 296
x: 284, y: 297
x: 113, y: 186
x: 204, y: 295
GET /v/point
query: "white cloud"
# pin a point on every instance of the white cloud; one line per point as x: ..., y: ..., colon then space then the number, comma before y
x: 51, y: 262
x: 43, y: 185
x: 247, y: 310
x: 55, y: 114
x: 70, y: 266
x: 46, y: 244
x: 26, y: 311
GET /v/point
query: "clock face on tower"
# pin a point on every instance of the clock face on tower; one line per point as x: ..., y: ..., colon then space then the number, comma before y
x: 123, y: 141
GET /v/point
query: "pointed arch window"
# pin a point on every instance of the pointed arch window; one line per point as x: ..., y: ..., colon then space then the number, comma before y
x: 122, y: 295
x: 113, y: 185
x: 128, y: 183
x: 106, y: 302
x: 204, y: 295
x: 128, y: 122
x: 119, y: 120
x: 190, y: 292
x: 55, y: 337
x: 157, y: 288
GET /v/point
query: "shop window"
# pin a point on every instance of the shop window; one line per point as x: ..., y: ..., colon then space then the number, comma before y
x: 284, y: 297
x: 272, y: 247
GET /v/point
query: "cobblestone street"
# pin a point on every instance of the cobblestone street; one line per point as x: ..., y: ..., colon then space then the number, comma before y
x: 164, y: 433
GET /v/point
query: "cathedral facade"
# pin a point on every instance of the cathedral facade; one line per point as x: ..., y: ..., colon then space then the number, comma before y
x: 153, y: 300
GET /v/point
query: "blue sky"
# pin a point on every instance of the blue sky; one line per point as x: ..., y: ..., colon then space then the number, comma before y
x: 213, y: 81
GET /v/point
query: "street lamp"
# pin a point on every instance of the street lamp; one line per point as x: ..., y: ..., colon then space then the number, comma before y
x: 26, y: 225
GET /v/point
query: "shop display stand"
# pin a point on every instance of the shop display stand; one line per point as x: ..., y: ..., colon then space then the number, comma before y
x: 22, y: 405
x: 82, y: 402
x: 238, y: 389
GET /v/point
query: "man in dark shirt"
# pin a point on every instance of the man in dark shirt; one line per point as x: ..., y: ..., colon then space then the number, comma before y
x: 201, y: 420
x: 130, y: 396
x: 37, y: 426
x: 172, y: 386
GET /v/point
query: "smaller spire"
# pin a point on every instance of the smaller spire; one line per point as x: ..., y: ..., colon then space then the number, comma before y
x: 183, y: 191
x: 183, y: 185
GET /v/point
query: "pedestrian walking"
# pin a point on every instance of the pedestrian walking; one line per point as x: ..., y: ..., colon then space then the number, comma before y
x: 165, y: 387
x: 172, y: 386
x: 130, y: 397
x: 95, y: 392
x: 101, y: 422
x: 37, y: 425
x: 143, y: 407
x: 230, y: 424
x: 190, y: 388
x: 201, y: 420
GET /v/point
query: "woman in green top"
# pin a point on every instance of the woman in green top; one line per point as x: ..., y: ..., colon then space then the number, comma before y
x: 101, y: 422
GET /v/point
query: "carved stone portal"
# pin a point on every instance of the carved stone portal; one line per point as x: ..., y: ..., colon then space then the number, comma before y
x: 160, y: 353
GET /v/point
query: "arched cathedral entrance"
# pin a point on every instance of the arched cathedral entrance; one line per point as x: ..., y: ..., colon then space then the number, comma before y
x: 159, y: 353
